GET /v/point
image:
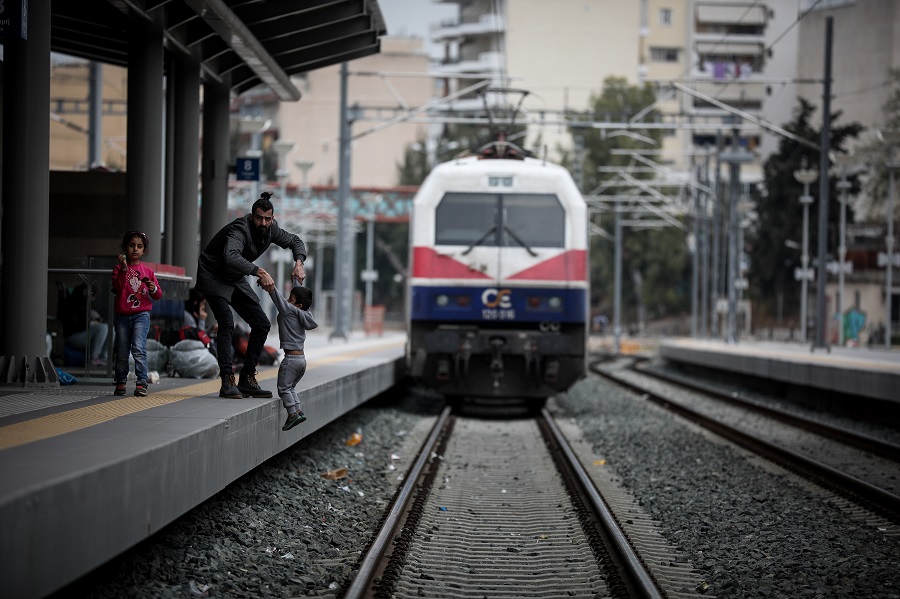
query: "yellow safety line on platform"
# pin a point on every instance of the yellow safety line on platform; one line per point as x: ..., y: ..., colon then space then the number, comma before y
x: 52, y: 425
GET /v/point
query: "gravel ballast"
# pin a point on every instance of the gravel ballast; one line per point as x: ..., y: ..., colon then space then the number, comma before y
x: 285, y: 531
x: 751, y: 528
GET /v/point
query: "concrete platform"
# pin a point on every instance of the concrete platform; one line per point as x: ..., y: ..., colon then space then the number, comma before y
x: 857, y: 372
x: 86, y: 475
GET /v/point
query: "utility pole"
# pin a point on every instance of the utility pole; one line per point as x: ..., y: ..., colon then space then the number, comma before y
x: 344, y: 252
x: 821, y: 316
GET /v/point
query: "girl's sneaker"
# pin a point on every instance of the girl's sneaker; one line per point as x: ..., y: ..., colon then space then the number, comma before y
x: 120, y: 389
x: 141, y: 389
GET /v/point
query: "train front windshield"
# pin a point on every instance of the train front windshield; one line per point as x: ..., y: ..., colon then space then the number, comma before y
x: 491, y: 219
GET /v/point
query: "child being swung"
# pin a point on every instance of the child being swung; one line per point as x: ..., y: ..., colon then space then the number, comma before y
x: 294, y: 319
x: 135, y: 286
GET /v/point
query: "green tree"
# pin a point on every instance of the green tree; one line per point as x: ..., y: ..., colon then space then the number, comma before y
x: 780, y: 215
x: 655, y: 281
x: 873, y: 200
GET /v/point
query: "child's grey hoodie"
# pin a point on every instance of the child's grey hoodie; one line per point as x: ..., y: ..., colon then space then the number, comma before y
x: 292, y: 323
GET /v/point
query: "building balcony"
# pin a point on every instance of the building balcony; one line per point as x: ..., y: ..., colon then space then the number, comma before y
x: 486, y: 25
x: 486, y: 64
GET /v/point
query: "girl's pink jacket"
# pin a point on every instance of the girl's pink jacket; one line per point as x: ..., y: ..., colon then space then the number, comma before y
x: 132, y: 295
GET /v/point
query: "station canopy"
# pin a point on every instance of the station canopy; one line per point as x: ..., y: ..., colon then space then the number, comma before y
x: 254, y: 41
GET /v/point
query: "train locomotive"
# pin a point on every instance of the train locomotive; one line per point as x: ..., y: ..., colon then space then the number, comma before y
x: 498, y: 294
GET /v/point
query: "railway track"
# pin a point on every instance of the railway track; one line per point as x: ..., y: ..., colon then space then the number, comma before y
x: 500, y: 508
x: 856, y: 466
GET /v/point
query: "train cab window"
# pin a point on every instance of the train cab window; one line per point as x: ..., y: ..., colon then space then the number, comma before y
x: 529, y: 220
x: 466, y: 218
x: 535, y: 220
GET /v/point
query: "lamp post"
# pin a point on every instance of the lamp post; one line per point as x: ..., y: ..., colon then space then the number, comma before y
x: 371, y: 200
x: 891, y: 139
x: 282, y: 148
x: 806, y: 176
x: 735, y: 157
x: 304, y: 166
x: 744, y: 208
x: 846, y: 164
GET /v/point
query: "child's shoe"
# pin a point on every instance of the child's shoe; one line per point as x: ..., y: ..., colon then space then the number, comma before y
x: 141, y: 389
x: 120, y: 389
x: 293, y: 420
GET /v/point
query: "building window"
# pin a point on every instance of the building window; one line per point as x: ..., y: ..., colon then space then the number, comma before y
x: 665, y: 16
x: 664, y: 54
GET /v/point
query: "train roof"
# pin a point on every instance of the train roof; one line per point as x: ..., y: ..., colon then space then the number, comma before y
x: 473, y: 173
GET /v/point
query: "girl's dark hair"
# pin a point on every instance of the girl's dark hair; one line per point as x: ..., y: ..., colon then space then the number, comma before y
x: 302, y: 296
x: 131, y: 235
x: 263, y: 203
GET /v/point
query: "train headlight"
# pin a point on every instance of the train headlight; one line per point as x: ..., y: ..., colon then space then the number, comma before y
x: 534, y: 302
x: 441, y: 300
x: 555, y: 303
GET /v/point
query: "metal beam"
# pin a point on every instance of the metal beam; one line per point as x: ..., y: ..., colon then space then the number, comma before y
x: 244, y: 43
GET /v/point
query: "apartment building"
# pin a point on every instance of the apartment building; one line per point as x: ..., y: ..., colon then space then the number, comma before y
x: 381, y: 87
x: 559, y: 51
x: 865, y: 48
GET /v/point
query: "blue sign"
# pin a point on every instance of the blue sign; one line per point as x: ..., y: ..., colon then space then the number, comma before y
x: 247, y: 169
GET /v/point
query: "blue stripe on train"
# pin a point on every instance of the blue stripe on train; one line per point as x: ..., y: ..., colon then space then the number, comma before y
x: 498, y: 304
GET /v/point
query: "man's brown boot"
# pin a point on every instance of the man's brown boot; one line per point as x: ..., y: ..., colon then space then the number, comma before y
x: 248, y: 386
x: 229, y: 388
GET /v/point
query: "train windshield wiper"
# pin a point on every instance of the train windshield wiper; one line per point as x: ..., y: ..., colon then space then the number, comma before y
x: 480, y: 239
x: 519, y: 241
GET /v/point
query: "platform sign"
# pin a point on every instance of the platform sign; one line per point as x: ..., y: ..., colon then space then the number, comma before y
x: 247, y: 168
x: 13, y: 19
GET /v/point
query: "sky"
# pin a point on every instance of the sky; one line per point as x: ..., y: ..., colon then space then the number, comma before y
x: 413, y: 18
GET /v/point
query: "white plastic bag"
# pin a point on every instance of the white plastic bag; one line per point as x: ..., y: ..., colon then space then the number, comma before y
x: 157, y: 356
x: 191, y: 359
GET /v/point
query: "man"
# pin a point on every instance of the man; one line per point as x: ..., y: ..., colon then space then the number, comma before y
x: 221, y: 277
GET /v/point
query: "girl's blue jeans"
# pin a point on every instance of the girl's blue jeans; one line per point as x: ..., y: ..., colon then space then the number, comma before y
x: 131, y: 337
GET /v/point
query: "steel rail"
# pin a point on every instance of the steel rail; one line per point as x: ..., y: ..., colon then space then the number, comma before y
x: 369, y: 564
x: 877, y: 498
x: 634, y: 569
x: 879, y: 447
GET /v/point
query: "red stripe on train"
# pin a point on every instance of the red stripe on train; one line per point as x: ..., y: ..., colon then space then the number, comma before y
x: 428, y: 264
x: 569, y: 266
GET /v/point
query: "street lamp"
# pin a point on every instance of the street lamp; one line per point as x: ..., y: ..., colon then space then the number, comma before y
x: 806, y: 176
x: 371, y: 201
x: 282, y: 148
x: 891, y: 139
x: 744, y: 208
x: 304, y: 166
x: 846, y: 164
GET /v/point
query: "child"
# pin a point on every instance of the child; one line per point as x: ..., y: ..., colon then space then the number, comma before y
x: 294, y: 319
x: 134, y: 285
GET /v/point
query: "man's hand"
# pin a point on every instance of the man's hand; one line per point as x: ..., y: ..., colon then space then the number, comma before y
x: 265, y: 280
x: 298, y: 272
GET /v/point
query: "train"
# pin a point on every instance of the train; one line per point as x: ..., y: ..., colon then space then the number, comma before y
x: 497, y: 306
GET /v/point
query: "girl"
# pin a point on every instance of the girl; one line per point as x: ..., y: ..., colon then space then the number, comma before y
x: 134, y: 285
x: 294, y: 319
